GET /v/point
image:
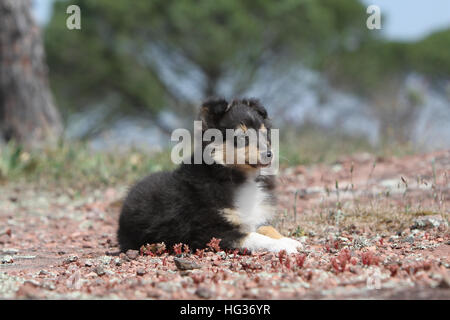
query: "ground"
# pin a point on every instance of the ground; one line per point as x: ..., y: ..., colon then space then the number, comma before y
x: 370, y: 228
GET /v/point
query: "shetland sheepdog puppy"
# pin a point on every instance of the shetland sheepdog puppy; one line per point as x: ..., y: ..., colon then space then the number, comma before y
x: 227, y: 200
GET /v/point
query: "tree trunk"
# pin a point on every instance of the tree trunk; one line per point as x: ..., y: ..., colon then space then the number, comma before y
x: 27, y: 112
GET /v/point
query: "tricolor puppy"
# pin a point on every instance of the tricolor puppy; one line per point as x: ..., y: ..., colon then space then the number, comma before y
x: 222, y: 199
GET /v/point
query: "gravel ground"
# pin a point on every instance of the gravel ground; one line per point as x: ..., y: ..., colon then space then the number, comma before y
x: 371, y: 228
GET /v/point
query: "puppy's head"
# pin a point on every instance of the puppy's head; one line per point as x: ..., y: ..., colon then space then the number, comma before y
x: 245, y: 129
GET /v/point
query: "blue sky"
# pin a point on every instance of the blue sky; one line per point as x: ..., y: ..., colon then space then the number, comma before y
x: 412, y: 19
x: 401, y: 19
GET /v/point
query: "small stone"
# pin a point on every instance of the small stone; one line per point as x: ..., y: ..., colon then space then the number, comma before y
x: 91, y: 275
x: 99, y: 271
x: 141, y: 272
x: 70, y: 259
x: 132, y: 254
x: 118, y: 262
x: 203, y: 292
x: 112, y: 252
x: 44, y: 273
x: 105, y: 259
x: 393, y: 238
x: 88, y: 263
x: 409, y: 239
x: 185, y: 264
x: 7, y: 259
x: 360, y: 242
x: 427, y: 222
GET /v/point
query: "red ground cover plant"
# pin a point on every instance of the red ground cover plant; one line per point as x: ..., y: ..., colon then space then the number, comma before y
x: 340, y: 262
x: 200, y: 253
x: 300, y: 260
x: 213, y: 245
x: 177, y: 248
x: 369, y: 258
x: 154, y: 249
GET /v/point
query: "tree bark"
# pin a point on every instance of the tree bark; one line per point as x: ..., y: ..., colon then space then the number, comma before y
x: 27, y: 111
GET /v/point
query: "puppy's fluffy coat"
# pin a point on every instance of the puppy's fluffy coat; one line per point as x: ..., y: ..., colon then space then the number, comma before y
x: 196, y: 202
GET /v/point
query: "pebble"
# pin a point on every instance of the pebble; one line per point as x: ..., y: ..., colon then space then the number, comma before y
x: 105, y: 259
x: 7, y: 259
x: 112, y: 252
x: 185, y: 264
x: 141, y: 272
x: 132, y: 254
x: 427, y: 222
x: 360, y: 242
x: 222, y: 254
x: 409, y: 239
x: 71, y: 259
x: 99, y: 271
x: 44, y: 273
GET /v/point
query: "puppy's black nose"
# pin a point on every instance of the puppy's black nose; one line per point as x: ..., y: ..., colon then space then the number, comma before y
x: 269, y: 154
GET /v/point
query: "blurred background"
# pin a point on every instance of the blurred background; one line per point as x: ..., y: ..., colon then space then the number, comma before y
x: 137, y: 70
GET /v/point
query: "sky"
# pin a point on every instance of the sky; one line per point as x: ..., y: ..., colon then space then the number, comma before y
x: 406, y: 20
x: 411, y: 20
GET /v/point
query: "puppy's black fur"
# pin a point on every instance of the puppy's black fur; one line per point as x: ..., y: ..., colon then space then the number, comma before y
x: 185, y: 205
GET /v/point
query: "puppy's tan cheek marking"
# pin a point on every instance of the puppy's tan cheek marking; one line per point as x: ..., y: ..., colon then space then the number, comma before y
x: 232, y: 216
x: 269, y: 231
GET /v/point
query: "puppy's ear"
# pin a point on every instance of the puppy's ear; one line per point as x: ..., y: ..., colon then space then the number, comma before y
x: 255, y: 104
x: 212, y: 110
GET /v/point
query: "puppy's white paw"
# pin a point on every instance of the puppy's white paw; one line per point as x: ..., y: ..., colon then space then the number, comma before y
x: 292, y: 242
x: 289, y: 245
x: 255, y: 242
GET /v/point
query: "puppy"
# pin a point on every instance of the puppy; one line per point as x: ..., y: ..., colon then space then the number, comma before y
x: 227, y: 200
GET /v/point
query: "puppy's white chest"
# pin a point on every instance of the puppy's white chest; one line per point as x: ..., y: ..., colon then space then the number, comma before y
x: 251, y: 203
